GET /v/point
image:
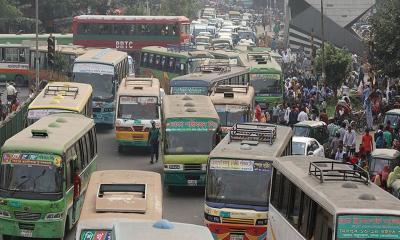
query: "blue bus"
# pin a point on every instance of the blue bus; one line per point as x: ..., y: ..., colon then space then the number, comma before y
x: 104, y: 69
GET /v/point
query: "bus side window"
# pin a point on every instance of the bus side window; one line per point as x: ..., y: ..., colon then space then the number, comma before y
x: 84, y: 152
x: 88, y: 147
x: 276, y: 182
x: 91, y: 145
x: 94, y: 139
x: 294, y: 206
x: 68, y: 166
x: 79, y: 156
x: 284, y: 197
x: 323, y: 230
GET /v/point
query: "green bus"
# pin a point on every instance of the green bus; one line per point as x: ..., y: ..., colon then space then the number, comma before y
x: 167, y: 63
x: 266, y: 77
x: 30, y: 39
x: 37, y: 172
x: 191, y: 129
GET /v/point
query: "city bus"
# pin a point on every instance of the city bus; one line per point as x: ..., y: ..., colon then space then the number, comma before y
x: 234, y: 104
x: 239, y: 172
x: 191, y: 129
x: 129, y: 33
x: 156, y: 230
x: 266, y: 78
x: 30, y: 39
x: 14, y: 63
x: 59, y: 97
x: 318, y: 198
x: 65, y: 56
x: 37, y: 172
x: 119, y: 195
x: 210, y: 75
x: 138, y: 103
x: 104, y: 69
x: 165, y: 63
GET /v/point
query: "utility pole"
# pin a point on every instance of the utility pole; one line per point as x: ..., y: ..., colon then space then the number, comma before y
x: 37, y: 47
x: 147, y: 8
x: 323, y: 40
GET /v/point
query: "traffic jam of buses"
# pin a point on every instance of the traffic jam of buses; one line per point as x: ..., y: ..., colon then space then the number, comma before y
x: 223, y: 126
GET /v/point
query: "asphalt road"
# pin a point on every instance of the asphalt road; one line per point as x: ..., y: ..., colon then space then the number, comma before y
x: 184, y: 205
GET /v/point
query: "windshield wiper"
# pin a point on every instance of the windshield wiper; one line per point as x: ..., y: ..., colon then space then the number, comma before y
x: 16, y: 188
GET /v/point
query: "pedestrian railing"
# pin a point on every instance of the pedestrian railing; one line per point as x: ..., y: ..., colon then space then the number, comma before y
x: 14, y: 122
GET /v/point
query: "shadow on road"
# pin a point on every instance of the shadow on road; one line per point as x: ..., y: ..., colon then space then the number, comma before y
x: 184, y: 192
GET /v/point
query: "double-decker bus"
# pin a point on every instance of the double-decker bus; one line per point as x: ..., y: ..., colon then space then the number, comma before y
x: 266, y: 77
x: 14, y: 63
x: 166, y: 63
x: 30, y: 39
x: 210, y: 75
x: 119, y: 195
x: 191, y: 130
x: 129, y: 33
x: 317, y: 198
x: 234, y: 104
x: 37, y: 173
x: 239, y: 174
x: 104, y: 69
x: 138, y: 103
x: 58, y: 97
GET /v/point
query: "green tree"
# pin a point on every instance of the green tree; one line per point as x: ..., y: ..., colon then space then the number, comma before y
x: 188, y: 8
x: 337, y: 65
x: 8, y: 10
x: 386, y: 36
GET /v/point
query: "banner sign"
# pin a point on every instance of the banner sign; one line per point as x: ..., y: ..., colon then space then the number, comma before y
x: 240, y: 165
x: 191, y: 124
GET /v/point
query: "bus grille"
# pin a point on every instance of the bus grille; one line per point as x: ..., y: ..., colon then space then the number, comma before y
x: 238, y: 221
x: 96, y: 109
x: 27, y: 216
x: 192, y: 167
x: 26, y: 226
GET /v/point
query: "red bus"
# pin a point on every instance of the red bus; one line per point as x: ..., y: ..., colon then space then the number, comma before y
x: 129, y: 33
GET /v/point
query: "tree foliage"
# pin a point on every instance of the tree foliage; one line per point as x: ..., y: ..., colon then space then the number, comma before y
x: 188, y: 8
x: 337, y: 65
x: 386, y: 36
x: 8, y: 10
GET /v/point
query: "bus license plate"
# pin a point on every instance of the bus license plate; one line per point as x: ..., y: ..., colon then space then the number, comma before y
x: 236, y: 237
x: 192, y: 182
x: 26, y: 233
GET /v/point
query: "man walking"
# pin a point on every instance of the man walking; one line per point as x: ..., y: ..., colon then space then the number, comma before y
x: 153, y: 141
x: 367, y: 144
x: 349, y: 141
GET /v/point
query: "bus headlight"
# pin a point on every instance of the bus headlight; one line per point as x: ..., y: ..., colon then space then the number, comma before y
x: 54, y: 216
x: 262, y: 222
x: 5, y: 214
x: 204, y: 166
x: 173, y: 167
x: 212, y: 218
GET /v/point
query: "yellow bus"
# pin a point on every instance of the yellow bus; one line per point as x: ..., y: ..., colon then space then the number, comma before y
x: 138, y: 103
x: 234, y: 104
x: 239, y: 174
x: 59, y: 97
x: 119, y: 195
x: 37, y: 172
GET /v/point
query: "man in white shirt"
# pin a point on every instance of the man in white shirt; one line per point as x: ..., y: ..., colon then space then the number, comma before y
x: 302, y: 116
x: 11, y: 92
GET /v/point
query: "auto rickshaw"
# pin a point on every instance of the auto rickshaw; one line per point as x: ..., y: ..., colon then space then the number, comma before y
x: 393, y: 116
x: 382, y: 157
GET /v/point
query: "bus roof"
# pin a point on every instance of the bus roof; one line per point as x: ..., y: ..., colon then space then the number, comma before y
x: 210, y: 76
x: 188, y: 106
x: 19, y: 38
x: 68, y: 49
x: 70, y: 96
x: 150, y: 231
x: 336, y: 196
x: 63, y: 130
x: 267, y: 65
x: 232, y: 94
x: 131, y: 19
x: 147, y: 87
x: 104, y: 56
x: 228, y: 148
x: 93, y: 211
x: 178, y: 54
x: 13, y: 45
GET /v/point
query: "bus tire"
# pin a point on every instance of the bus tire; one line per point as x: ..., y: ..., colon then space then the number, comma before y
x: 66, y: 229
x: 19, y: 80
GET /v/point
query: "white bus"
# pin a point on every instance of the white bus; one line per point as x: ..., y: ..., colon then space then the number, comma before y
x: 317, y: 198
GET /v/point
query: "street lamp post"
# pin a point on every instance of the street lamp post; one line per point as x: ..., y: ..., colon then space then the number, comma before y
x: 37, y: 46
x: 323, y: 41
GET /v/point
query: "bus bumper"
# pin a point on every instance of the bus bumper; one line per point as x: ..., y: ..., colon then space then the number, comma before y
x: 32, y: 229
x: 104, y: 118
x: 138, y: 139
x: 184, y: 178
x: 133, y: 143
x: 221, y: 231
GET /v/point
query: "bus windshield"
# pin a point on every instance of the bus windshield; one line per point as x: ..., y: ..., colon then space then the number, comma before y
x: 138, y: 107
x: 231, y: 114
x: 367, y: 227
x: 102, y: 84
x: 28, y: 178
x: 266, y: 84
x: 189, y: 90
x: 301, y: 131
x: 189, y: 142
x: 244, y: 173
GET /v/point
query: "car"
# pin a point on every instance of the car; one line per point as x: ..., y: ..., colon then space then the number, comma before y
x: 313, y: 129
x: 307, y: 146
